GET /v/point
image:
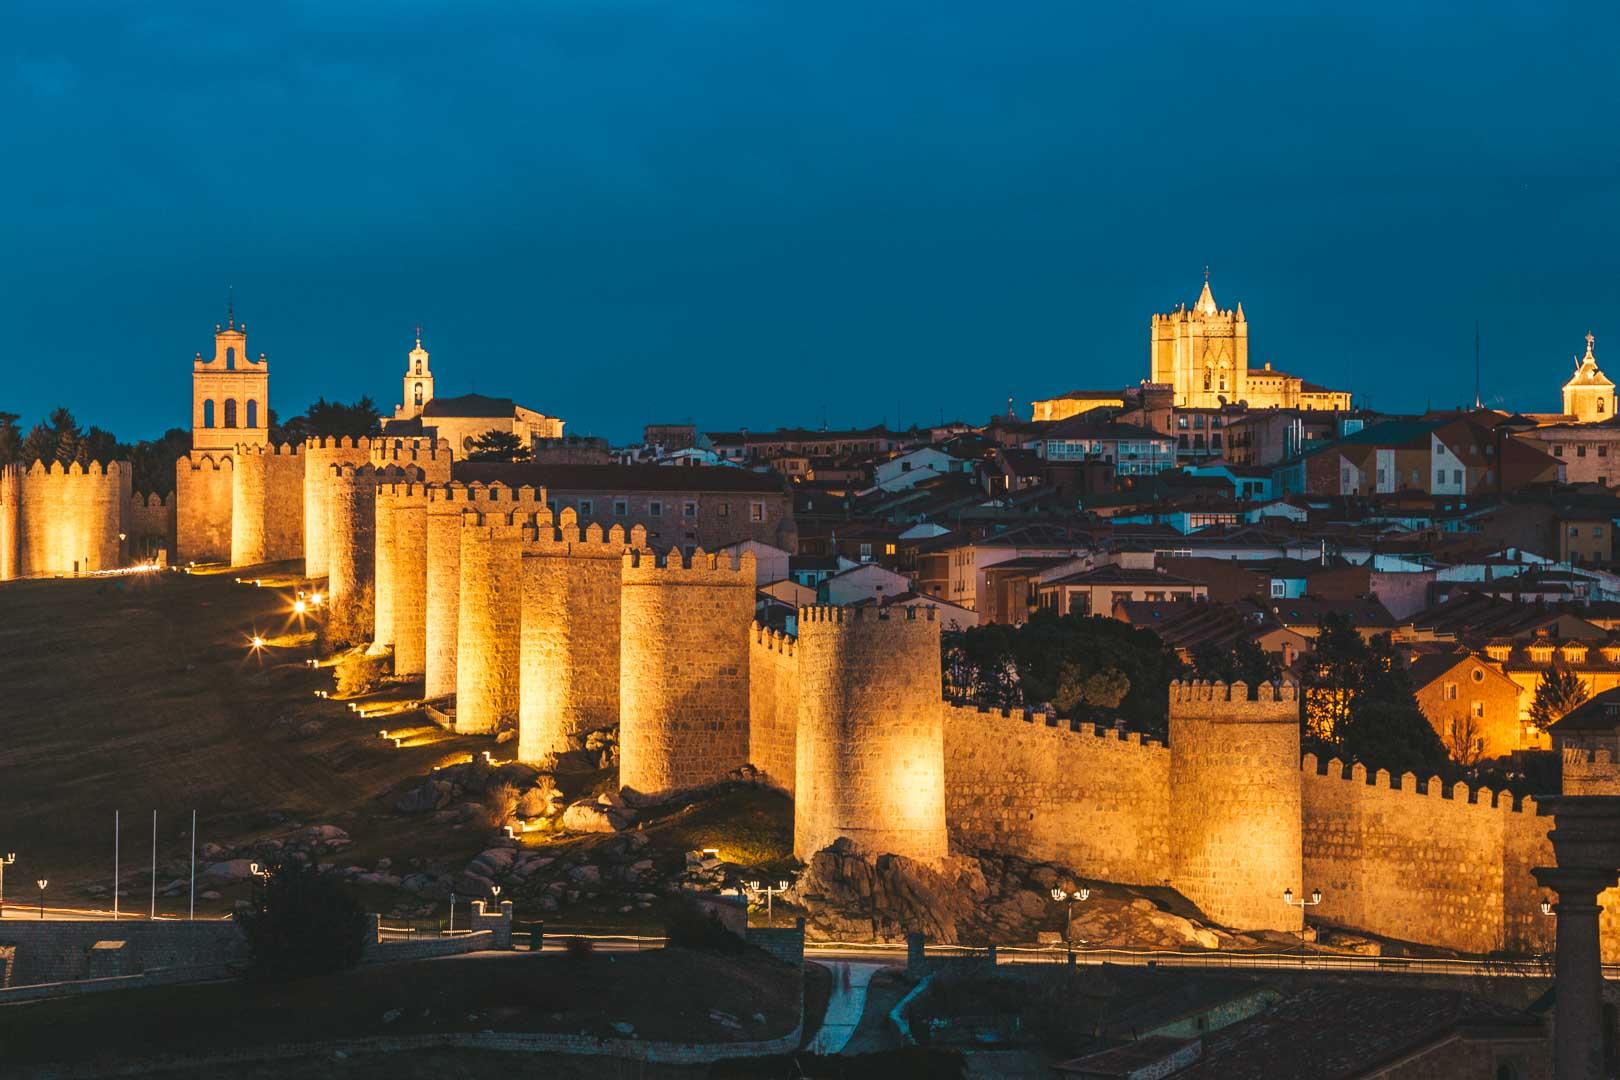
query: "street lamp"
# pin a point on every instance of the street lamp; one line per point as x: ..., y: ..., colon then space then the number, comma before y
x: 42, y: 883
x: 1546, y: 907
x: 1068, y: 900
x: 262, y: 873
x: 10, y: 857
x: 770, y: 895
x: 1302, y: 904
x: 452, y: 914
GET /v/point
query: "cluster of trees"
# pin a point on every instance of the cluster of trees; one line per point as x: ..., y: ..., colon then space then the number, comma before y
x: 60, y: 438
x: 497, y: 445
x: 1077, y: 663
x: 1357, y: 698
x: 1359, y: 704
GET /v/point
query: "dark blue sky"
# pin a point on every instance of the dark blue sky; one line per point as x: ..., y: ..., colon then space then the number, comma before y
x: 748, y: 213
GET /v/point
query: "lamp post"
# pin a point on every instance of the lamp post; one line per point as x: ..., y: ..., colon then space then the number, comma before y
x: 260, y: 872
x: 9, y: 858
x: 1068, y: 900
x: 1302, y: 904
x: 42, y: 883
x: 452, y: 914
x: 770, y: 894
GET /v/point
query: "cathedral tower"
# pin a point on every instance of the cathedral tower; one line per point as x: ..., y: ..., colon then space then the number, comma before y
x: 1589, y: 394
x: 1202, y: 352
x: 230, y: 394
x: 418, y: 383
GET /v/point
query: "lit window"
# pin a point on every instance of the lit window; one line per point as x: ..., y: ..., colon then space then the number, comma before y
x: 1449, y: 691
x: 888, y: 549
x: 1478, y: 709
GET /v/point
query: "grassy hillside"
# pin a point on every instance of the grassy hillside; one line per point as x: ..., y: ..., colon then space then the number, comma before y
x: 143, y: 693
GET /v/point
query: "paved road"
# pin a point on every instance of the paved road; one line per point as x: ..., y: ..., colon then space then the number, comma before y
x: 844, y: 1006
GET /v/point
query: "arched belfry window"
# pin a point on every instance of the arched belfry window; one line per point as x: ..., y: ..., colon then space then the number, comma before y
x: 230, y: 357
x: 208, y: 413
x: 230, y: 412
x: 418, y: 395
x: 419, y: 367
x: 252, y: 414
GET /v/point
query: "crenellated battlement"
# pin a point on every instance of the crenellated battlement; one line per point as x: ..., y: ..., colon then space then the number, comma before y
x: 40, y: 468
x: 150, y: 500
x: 1408, y: 783
x: 409, y: 448
x: 247, y: 450
x: 1221, y: 702
x: 211, y: 461
x: 523, y: 518
x: 1042, y: 718
x: 478, y: 493
x: 350, y: 471
x: 1197, y: 690
x: 832, y: 613
x: 645, y: 567
x: 338, y: 442
x: 407, y: 490
x: 568, y: 537
x: 774, y: 640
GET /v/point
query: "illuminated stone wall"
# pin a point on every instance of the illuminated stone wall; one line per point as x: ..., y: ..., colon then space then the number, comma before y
x: 683, y: 669
x: 408, y: 573
x: 445, y: 504
x: 488, y: 633
x: 321, y: 455
x: 351, y: 537
x: 1235, y: 806
x: 202, y: 501
x: 59, y: 519
x: 1093, y: 798
x: 382, y: 622
x: 870, y: 760
x: 1419, y: 862
x: 421, y: 458
x: 570, y: 635
x: 267, y: 504
x: 773, y: 706
x: 151, y: 525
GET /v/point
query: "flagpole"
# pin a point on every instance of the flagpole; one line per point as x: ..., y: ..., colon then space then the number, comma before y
x: 153, y: 915
x: 116, y: 831
x: 192, y: 912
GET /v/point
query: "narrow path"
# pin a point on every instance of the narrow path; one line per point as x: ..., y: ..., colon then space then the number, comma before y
x: 844, y: 1006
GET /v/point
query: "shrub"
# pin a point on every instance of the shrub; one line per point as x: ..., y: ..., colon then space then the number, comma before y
x: 358, y: 674
x: 348, y: 622
x: 302, y: 922
x: 690, y: 925
x: 500, y: 803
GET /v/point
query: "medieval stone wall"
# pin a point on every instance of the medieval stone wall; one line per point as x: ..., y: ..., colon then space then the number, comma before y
x: 1093, y: 798
x: 420, y: 457
x: 382, y: 622
x: 408, y: 573
x: 352, y: 528
x: 445, y: 504
x: 267, y: 504
x: 202, y: 500
x: 151, y: 525
x: 57, y: 519
x: 870, y: 755
x: 1235, y: 805
x: 1417, y: 862
x: 321, y: 456
x: 683, y: 669
x: 488, y: 633
x: 773, y: 706
x: 570, y: 636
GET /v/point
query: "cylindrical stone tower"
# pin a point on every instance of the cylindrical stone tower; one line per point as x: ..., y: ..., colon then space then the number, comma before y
x: 410, y: 579
x: 570, y: 655
x: 10, y: 522
x: 683, y: 670
x: 382, y: 624
x: 445, y: 504
x: 487, y: 637
x: 870, y: 756
x: 351, y: 532
x: 320, y: 456
x: 1235, y: 802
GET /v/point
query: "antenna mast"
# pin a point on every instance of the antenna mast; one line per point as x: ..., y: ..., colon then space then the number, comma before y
x: 1476, y: 364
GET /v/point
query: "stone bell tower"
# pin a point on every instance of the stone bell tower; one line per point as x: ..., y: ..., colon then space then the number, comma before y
x: 418, y: 382
x: 230, y: 394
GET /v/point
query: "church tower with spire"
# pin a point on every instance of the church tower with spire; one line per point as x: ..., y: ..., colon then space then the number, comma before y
x: 1202, y: 352
x: 418, y: 382
x: 1589, y: 394
x: 230, y: 393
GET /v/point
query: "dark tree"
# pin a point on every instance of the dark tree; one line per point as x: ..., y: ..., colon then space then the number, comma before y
x: 498, y: 446
x: 1558, y: 691
x: 1359, y: 703
x: 302, y: 921
x: 11, y: 439
x: 153, y: 461
x: 40, y: 445
x: 328, y: 418
x: 69, y: 440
